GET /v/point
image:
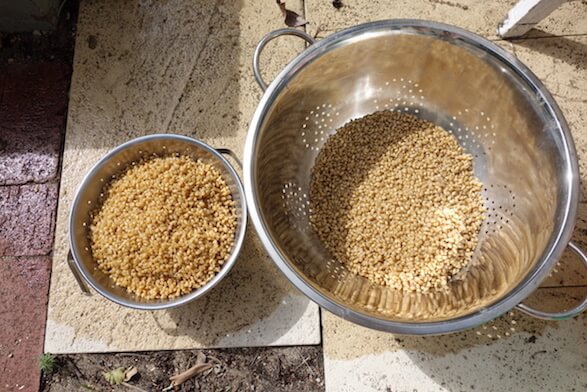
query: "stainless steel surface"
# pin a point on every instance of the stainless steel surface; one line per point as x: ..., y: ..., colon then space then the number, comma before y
x: 265, y: 40
x: 496, y: 108
x: 90, y: 191
x: 76, y: 274
x: 567, y: 314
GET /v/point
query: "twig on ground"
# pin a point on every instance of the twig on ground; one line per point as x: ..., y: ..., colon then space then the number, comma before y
x: 214, y: 359
x: 76, y: 369
x: 304, y: 361
x: 198, y: 368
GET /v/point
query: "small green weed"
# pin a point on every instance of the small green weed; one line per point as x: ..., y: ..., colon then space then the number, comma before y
x: 47, y: 363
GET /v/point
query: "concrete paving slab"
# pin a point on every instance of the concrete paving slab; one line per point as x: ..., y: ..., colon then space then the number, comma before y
x: 180, y: 67
x: 513, y: 352
x: 481, y: 17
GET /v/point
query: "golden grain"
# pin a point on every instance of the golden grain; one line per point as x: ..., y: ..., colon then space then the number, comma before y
x: 394, y: 198
x: 165, y: 227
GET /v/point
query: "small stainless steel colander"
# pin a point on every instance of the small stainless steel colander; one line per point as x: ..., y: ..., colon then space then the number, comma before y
x: 89, y: 195
x: 495, y: 107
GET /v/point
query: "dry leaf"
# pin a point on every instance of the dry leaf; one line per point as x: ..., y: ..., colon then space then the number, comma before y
x: 130, y: 373
x: 292, y: 19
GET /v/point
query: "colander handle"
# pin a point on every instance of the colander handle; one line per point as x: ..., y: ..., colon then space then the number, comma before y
x: 561, y: 315
x: 230, y: 153
x: 265, y: 40
x: 76, y: 274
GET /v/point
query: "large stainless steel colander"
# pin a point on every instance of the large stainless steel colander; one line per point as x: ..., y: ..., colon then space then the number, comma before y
x: 496, y: 108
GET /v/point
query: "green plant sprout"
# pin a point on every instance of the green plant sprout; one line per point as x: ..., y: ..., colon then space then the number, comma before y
x: 47, y: 363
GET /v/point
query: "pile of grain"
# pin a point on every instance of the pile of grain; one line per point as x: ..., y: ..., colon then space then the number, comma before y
x: 165, y: 227
x: 394, y: 198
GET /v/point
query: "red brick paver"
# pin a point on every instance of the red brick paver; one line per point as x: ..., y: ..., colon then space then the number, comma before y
x: 33, y: 108
x: 27, y: 219
x: 24, y: 293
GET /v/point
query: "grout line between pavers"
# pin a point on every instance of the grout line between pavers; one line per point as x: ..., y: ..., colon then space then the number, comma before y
x: 573, y: 286
x: 6, y: 257
x: 513, y: 40
x: 60, y: 168
x: 325, y: 33
x: 305, y: 15
x: 321, y: 328
x: 520, y: 39
x: 53, y: 179
x: 2, y: 83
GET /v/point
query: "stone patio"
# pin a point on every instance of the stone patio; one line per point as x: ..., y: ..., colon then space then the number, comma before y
x: 184, y: 67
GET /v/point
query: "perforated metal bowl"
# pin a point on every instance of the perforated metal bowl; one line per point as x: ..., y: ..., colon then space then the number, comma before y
x: 90, y: 191
x: 498, y: 111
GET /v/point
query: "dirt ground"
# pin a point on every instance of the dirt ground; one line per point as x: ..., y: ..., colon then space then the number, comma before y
x: 40, y: 45
x: 298, y: 369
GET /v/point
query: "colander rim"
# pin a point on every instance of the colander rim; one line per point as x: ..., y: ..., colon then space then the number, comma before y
x: 226, y: 267
x: 562, y: 234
